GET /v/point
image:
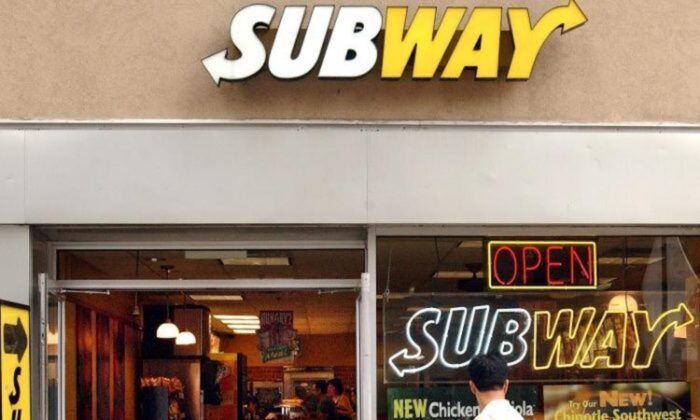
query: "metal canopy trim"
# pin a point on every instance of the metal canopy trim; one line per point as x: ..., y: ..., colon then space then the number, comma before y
x: 204, y: 284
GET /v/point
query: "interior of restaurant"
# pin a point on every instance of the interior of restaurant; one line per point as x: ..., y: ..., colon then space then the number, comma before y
x: 205, y: 354
x: 113, y: 356
x: 653, y: 275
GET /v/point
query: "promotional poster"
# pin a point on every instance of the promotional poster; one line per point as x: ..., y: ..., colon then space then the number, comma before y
x: 277, y: 338
x: 659, y: 400
x: 453, y: 402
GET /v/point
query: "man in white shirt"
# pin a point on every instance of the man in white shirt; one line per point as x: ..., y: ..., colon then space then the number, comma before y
x: 488, y: 381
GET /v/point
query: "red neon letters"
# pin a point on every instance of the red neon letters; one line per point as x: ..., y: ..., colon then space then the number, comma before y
x: 542, y: 265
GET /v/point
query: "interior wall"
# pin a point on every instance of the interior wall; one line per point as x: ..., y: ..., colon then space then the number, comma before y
x: 115, y: 306
x: 331, y: 350
x: 316, y: 350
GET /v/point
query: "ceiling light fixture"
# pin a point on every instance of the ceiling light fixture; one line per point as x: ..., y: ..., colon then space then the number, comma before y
x: 214, y: 255
x: 623, y: 303
x: 257, y: 261
x: 167, y: 330
x: 185, y: 338
x: 243, y: 327
x: 237, y: 257
x: 629, y: 260
x: 236, y: 317
x: 243, y: 322
x: 472, y: 243
x: 244, y: 332
x: 217, y: 298
x: 136, y: 311
x: 605, y: 283
x: 453, y: 275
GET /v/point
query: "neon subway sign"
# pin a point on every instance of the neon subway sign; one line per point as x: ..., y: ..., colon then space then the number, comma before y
x: 352, y: 49
x: 477, y: 328
x: 448, y: 338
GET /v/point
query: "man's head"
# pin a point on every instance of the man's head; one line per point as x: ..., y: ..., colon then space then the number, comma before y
x: 335, y: 387
x: 488, y: 373
x: 319, y: 388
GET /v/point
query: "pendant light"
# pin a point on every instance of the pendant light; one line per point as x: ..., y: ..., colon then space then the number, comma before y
x: 136, y: 311
x: 185, y: 338
x: 167, y: 330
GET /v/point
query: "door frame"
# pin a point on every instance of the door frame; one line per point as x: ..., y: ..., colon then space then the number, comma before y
x: 365, y: 303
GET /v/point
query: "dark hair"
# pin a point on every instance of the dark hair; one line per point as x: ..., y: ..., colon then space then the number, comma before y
x: 322, y: 386
x: 252, y: 400
x: 337, y: 384
x: 488, y: 372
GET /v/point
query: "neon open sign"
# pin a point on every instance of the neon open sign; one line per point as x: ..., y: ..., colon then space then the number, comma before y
x: 541, y: 265
x: 450, y: 338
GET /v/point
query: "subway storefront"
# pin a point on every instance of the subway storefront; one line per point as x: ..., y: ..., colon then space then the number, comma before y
x: 214, y: 210
x: 594, y: 322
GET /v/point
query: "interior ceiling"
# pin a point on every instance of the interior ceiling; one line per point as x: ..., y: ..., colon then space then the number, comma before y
x: 405, y: 264
x: 314, y: 313
x: 304, y: 264
x: 326, y: 312
x: 408, y: 264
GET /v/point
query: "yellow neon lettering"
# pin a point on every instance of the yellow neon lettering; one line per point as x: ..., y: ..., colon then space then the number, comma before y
x: 604, y: 336
x: 671, y: 319
x: 575, y: 332
x: 478, y: 46
x: 547, y: 344
x: 429, y: 46
x: 528, y: 40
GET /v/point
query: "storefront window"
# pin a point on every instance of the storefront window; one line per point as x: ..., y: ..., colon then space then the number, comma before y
x: 590, y: 326
x: 164, y: 334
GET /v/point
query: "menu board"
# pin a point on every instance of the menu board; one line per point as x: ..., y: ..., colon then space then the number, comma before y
x: 622, y: 401
x: 453, y: 402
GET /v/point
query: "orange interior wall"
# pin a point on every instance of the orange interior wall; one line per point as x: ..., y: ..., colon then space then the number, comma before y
x: 316, y: 350
x: 114, y: 307
x: 334, y: 350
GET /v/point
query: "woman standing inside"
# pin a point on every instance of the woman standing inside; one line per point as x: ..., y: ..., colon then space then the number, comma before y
x: 342, y: 402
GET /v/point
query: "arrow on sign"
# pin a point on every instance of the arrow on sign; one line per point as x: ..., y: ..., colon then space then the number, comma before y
x: 15, y: 339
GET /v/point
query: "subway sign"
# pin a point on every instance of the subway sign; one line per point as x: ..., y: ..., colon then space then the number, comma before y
x: 352, y: 49
x: 439, y: 339
x: 542, y: 265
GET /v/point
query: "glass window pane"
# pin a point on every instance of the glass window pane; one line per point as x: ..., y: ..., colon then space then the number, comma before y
x: 634, y: 332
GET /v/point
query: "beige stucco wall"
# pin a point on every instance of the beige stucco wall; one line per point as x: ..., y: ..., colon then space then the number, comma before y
x: 634, y: 61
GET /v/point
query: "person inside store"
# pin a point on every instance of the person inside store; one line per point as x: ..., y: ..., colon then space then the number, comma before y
x: 325, y: 408
x: 488, y: 381
x: 353, y: 399
x: 251, y: 409
x: 342, y: 403
x: 311, y: 401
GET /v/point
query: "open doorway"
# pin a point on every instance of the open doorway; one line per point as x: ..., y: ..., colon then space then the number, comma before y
x: 252, y: 350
